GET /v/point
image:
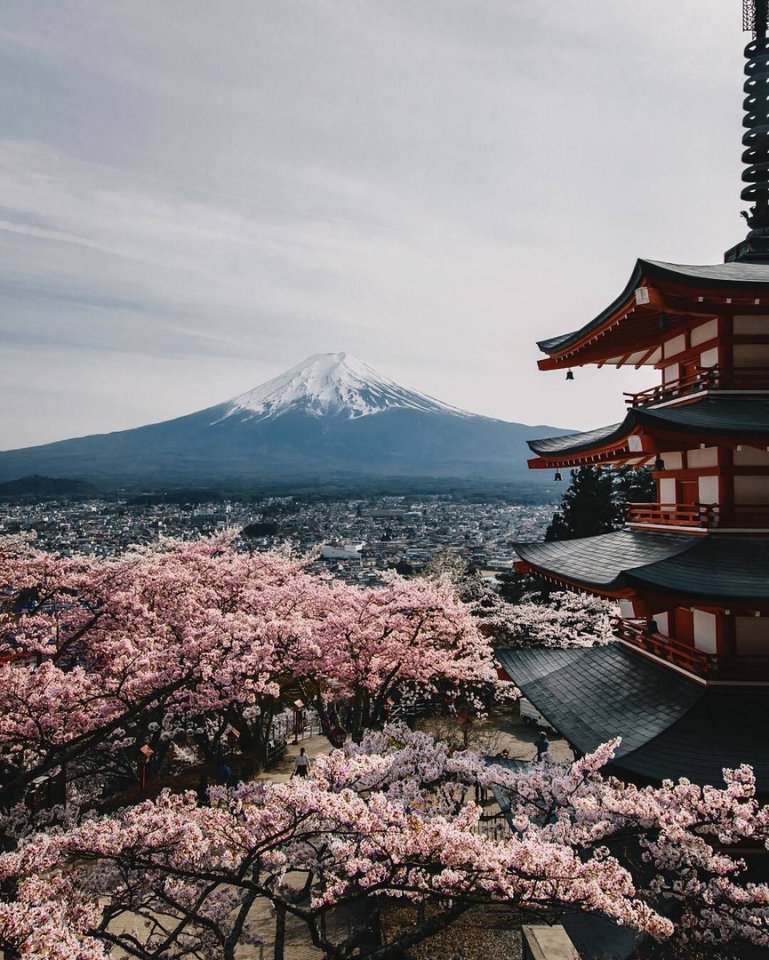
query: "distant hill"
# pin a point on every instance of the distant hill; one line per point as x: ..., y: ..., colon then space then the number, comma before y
x: 331, y: 417
x: 37, y: 486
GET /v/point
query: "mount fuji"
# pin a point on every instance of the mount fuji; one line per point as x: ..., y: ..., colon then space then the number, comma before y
x: 331, y: 417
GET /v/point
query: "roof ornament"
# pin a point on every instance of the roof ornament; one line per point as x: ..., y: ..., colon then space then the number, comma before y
x: 755, y: 140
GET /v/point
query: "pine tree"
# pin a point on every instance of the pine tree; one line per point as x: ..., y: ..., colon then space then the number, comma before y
x: 587, y: 507
x: 594, y: 502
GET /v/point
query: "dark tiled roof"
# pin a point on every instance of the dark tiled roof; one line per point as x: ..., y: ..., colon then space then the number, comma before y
x: 725, y: 728
x: 594, y: 694
x: 730, y: 416
x: 726, y: 568
x: 602, y: 561
x: 670, y: 726
x: 732, y: 274
x: 713, y: 567
x: 719, y: 275
x: 573, y: 442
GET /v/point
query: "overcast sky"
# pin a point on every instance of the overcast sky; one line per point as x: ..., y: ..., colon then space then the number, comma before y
x: 197, y: 194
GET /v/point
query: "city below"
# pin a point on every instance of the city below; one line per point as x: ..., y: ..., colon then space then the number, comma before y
x: 357, y: 539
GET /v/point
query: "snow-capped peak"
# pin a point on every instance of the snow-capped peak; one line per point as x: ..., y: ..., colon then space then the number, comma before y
x: 332, y: 384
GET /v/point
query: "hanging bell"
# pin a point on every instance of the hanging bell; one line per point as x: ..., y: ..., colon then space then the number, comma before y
x: 557, y: 476
x: 659, y: 464
x: 569, y: 374
x: 664, y: 321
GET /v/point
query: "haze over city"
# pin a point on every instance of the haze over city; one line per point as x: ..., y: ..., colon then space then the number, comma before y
x: 432, y: 187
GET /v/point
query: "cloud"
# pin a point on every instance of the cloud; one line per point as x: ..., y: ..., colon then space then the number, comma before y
x: 192, y: 207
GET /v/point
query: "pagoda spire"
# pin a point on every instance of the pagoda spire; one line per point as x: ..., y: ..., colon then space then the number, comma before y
x: 755, y: 247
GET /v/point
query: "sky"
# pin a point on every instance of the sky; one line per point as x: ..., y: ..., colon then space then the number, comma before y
x: 195, y: 196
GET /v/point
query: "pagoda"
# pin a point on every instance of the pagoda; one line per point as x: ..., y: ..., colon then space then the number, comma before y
x: 686, y: 684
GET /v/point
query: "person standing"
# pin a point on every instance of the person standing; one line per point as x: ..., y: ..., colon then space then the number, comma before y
x: 302, y: 764
x: 542, y: 744
x: 223, y: 774
x: 202, y: 790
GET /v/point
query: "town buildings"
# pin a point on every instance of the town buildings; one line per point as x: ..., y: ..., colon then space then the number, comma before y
x: 390, y: 530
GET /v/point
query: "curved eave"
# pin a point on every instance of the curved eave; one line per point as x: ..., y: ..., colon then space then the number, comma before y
x: 729, y: 420
x: 607, y: 445
x: 627, y: 327
x: 627, y: 562
x: 600, y: 563
x: 554, y: 346
x: 576, y: 442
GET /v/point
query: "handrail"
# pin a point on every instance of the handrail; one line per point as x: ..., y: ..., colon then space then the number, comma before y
x: 638, y: 633
x: 704, y: 378
x: 702, y: 515
x: 673, y: 514
x: 641, y: 634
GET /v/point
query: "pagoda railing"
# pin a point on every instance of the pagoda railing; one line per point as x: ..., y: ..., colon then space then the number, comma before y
x: 641, y: 634
x: 704, y: 516
x: 707, y: 378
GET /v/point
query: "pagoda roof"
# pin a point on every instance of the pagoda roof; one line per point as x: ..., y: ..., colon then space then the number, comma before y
x: 670, y: 726
x: 577, y: 442
x: 602, y: 562
x: 688, y: 285
x: 710, y: 568
x: 593, y: 694
x: 726, y: 417
x: 713, y: 416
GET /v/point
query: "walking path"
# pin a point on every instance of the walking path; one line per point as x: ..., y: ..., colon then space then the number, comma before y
x: 316, y: 746
x: 485, y: 934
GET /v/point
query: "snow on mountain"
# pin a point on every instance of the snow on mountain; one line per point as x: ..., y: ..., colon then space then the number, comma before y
x: 332, y: 384
x: 330, y: 419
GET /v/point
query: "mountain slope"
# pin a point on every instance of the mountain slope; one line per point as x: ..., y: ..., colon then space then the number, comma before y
x: 333, y: 384
x: 330, y: 417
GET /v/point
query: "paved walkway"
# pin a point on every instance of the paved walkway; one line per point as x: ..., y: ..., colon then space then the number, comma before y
x: 315, y: 746
x: 502, y: 731
x: 487, y: 934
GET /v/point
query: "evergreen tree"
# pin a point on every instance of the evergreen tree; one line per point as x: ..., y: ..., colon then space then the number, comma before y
x: 594, y: 502
x: 587, y: 508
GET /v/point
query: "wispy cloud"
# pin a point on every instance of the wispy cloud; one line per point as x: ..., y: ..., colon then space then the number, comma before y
x: 187, y: 209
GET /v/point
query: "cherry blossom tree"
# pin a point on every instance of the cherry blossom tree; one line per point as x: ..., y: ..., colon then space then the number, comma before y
x: 567, y: 619
x: 105, y: 666
x: 388, y: 820
x: 99, y: 660
x: 373, y: 645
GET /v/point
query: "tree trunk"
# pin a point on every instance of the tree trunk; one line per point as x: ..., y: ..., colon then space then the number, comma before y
x: 280, y: 931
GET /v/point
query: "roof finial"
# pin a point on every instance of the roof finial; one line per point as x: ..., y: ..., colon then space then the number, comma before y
x: 755, y: 247
x: 754, y: 17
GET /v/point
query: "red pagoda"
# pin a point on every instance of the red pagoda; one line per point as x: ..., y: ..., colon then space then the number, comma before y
x: 686, y: 684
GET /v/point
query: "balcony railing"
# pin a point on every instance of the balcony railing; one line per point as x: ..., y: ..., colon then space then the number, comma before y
x: 703, y: 516
x: 641, y: 634
x: 707, y: 378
